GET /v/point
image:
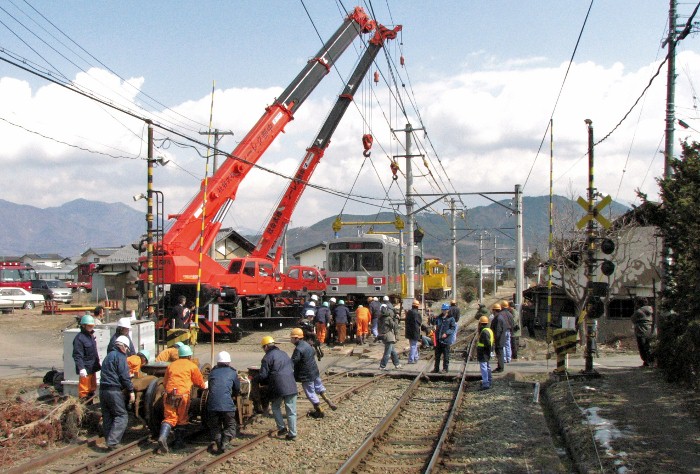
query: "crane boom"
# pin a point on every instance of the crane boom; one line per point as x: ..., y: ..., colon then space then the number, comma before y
x: 178, y: 253
x: 283, y: 213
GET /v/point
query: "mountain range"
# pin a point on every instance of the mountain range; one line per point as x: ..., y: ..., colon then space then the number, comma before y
x: 73, y: 227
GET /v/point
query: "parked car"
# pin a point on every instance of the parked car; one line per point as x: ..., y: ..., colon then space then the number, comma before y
x: 52, y: 290
x: 19, y: 298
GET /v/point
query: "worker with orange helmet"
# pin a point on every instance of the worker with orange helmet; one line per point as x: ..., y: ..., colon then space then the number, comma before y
x: 498, y: 326
x: 179, y: 378
x: 306, y: 371
x: 483, y: 351
x: 509, y: 328
x: 362, y: 318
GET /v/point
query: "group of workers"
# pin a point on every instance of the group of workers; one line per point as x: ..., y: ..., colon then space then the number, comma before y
x: 496, y: 336
x: 279, y: 373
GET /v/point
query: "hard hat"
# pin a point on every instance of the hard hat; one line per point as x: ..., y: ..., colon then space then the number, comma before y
x: 146, y: 355
x: 383, y: 305
x: 223, y: 356
x: 178, y: 344
x: 453, y: 301
x: 359, y: 306
x: 267, y: 340
x: 297, y: 332
x: 314, y: 298
x: 375, y: 299
x: 312, y: 304
x: 332, y: 300
x: 309, y: 312
x: 415, y: 303
x: 484, y: 320
x: 87, y: 320
x: 184, y: 351
x: 497, y: 307
x: 386, y: 298
x: 341, y: 302
x: 124, y: 323
x: 325, y: 303
x: 445, y: 306
x: 123, y: 340
x: 504, y: 304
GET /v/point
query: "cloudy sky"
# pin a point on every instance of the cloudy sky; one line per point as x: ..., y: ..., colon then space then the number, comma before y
x: 481, y: 78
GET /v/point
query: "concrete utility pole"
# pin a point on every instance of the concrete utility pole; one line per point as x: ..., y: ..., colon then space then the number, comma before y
x: 453, y: 220
x: 670, y: 88
x: 481, y: 269
x: 218, y: 135
x: 495, y: 278
x: 519, y: 265
x: 411, y: 254
x: 410, y: 263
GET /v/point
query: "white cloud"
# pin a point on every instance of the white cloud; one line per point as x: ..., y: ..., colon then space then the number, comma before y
x: 486, y: 125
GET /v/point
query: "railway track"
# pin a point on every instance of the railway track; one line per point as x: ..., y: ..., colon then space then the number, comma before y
x: 411, y: 436
x: 139, y: 456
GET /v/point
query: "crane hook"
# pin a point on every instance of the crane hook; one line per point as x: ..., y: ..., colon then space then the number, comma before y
x: 394, y: 169
x: 367, y: 141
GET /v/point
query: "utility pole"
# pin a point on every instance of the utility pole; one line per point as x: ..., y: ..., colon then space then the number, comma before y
x: 495, y: 284
x: 670, y: 88
x: 410, y: 263
x: 453, y: 219
x: 519, y: 264
x: 218, y: 135
x: 481, y: 268
x: 150, y: 310
x: 591, y: 324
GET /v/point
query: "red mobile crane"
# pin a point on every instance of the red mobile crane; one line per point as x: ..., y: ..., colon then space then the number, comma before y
x: 282, y: 215
x: 250, y: 279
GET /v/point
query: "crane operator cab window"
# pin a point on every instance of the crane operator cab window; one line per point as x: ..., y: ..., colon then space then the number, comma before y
x: 249, y: 269
x: 265, y: 270
x: 309, y: 275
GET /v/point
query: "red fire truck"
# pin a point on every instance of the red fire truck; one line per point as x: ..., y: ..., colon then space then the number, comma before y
x: 17, y: 274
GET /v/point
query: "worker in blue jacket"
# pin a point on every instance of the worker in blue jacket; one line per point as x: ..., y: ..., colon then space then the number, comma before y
x: 224, y: 387
x: 341, y: 316
x: 114, y: 379
x: 277, y: 372
x: 86, y: 358
x: 445, y: 327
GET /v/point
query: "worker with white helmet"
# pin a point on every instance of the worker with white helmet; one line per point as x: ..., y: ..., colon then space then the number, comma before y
x: 224, y: 387
x: 123, y: 329
x: 87, y: 360
x: 113, y: 380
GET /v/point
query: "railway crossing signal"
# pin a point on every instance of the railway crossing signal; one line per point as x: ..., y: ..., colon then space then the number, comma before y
x: 594, y: 213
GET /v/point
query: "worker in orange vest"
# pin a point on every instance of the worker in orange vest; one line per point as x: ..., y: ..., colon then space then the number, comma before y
x: 170, y: 354
x: 136, y: 361
x: 179, y: 378
x: 362, y: 318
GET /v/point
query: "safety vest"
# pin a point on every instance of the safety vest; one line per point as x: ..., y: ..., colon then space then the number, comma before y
x: 490, y: 333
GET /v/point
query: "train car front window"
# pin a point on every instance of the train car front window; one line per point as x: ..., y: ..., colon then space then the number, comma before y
x: 356, y: 262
